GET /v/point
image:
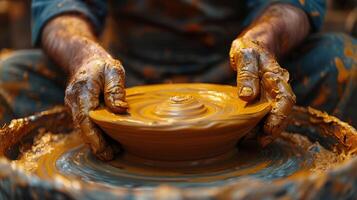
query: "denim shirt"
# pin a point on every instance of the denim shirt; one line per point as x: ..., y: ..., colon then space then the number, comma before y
x: 176, y: 36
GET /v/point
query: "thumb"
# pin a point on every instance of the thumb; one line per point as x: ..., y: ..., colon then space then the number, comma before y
x: 114, y: 90
x: 247, y: 74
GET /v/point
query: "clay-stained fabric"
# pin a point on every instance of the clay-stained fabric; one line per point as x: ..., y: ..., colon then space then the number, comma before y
x: 160, y: 38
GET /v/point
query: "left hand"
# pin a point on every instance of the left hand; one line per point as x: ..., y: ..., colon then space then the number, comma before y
x: 89, y: 80
x: 260, y: 75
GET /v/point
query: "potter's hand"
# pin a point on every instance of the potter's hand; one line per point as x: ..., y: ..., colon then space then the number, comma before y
x: 274, y: 33
x: 70, y: 41
x: 89, y: 80
x: 259, y: 74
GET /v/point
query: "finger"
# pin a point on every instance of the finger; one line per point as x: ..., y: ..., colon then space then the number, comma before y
x: 88, y: 99
x: 82, y: 98
x: 247, y: 74
x: 115, y: 146
x: 269, y: 64
x: 114, y: 90
x: 283, y: 100
x: 93, y: 137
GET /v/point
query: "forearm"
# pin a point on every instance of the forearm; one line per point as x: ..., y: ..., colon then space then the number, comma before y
x: 69, y: 41
x: 279, y: 28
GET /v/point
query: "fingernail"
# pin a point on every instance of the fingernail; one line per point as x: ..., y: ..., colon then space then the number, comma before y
x: 121, y: 104
x: 246, y: 92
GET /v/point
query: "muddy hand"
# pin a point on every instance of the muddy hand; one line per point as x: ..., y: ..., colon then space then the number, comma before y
x: 258, y: 73
x: 92, y: 78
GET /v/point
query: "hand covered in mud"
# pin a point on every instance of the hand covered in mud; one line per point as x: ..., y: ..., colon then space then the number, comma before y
x: 88, y: 81
x: 260, y: 76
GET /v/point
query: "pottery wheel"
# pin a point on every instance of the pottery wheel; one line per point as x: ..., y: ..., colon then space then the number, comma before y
x: 315, y: 159
x: 64, y: 156
x: 181, y: 121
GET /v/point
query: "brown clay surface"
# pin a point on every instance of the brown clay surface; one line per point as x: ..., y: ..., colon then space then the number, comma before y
x: 181, y: 121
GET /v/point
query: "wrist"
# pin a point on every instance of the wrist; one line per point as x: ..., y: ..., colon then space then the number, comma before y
x: 70, y: 42
x: 86, y: 52
x: 266, y: 39
x: 279, y: 28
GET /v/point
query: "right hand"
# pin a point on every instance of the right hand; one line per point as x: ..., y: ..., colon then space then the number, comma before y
x: 259, y: 74
x: 96, y: 76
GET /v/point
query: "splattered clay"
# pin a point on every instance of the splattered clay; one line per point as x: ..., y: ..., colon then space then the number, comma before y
x: 63, y: 156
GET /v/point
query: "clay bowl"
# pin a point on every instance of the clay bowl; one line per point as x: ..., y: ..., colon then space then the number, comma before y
x: 178, y: 122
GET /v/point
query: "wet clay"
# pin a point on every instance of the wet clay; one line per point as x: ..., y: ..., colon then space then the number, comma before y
x: 61, y: 156
x: 318, y: 158
x: 56, y: 119
x: 174, y: 122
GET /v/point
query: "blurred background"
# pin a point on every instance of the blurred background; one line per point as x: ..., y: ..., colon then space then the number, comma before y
x: 15, y: 20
